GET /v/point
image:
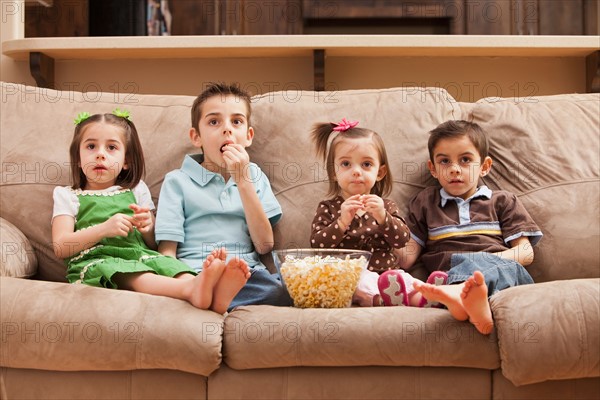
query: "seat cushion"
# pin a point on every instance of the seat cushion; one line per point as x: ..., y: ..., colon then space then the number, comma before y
x: 270, y: 337
x: 69, y: 327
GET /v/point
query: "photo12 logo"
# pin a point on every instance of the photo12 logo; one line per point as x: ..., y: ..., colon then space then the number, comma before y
x: 70, y: 332
x: 73, y: 92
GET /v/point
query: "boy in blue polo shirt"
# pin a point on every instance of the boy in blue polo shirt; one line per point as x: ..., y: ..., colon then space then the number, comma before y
x: 219, y: 199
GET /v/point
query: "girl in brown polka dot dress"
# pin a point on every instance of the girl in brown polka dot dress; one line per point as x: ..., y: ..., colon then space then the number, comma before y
x: 356, y: 216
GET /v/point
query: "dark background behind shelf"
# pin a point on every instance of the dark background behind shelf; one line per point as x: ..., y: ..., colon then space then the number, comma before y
x: 281, y: 17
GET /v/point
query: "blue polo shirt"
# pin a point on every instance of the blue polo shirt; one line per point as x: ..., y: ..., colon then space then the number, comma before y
x: 201, y: 212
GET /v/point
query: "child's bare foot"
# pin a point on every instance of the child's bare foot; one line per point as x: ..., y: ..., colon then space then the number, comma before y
x: 448, y: 295
x: 203, y: 284
x: 475, y: 302
x: 234, y: 278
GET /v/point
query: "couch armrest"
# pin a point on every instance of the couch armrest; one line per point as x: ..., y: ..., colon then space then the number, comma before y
x: 549, y: 331
x: 64, y: 327
x: 17, y: 256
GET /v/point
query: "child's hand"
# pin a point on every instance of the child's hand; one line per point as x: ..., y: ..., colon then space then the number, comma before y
x: 236, y: 157
x: 118, y: 225
x: 349, y: 208
x: 373, y: 204
x: 142, y: 218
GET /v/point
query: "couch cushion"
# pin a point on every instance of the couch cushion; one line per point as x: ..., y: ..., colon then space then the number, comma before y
x: 18, y: 257
x: 549, y: 331
x: 282, y: 145
x: 270, y: 337
x: 63, y: 327
x: 545, y: 149
x: 37, y: 128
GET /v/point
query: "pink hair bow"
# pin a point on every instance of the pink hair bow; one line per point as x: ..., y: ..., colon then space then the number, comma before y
x: 344, y: 125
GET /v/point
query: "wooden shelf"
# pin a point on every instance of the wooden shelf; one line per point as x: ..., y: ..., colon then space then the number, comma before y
x: 145, y: 47
x: 45, y: 3
x: 42, y: 52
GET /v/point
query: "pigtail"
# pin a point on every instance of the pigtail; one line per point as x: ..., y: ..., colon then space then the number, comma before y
x: 130, y: 178
x: 320, y: 136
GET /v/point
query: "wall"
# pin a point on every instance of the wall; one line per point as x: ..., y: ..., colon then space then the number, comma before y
x: 466, y: 78
x: 12, y: 27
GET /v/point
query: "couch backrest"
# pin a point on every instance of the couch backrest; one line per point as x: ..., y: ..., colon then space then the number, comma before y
x: 283, y: 122
x: 37, y: 126
x: 558, y: 134
x: 546, y: 150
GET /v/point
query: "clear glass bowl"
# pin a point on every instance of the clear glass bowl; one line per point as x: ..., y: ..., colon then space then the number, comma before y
x: 319, y: 278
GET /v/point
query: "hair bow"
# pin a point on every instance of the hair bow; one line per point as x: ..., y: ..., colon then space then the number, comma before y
x: 344, y: 125
x: 82, y: 116
x: 121, y: 113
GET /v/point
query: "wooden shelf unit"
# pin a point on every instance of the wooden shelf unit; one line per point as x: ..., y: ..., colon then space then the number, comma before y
x: 42, y: 52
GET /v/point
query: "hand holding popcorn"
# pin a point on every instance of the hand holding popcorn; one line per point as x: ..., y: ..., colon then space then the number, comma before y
x: 237, y: 160
x: 142, y: 218
x: 349, y: 208
x: 373, y: 204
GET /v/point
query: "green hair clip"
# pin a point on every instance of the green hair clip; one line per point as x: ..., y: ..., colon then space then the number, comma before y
x: 82, y: 116
x: 122, y: 113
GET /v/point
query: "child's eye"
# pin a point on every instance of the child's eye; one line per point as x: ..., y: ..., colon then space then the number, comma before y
x: 237, y: 122
x: 112, y: 147
x: 345, y: 163
x: 465, y: 160
x: 90, y: 147
x: 444, y: 161
x: 212, y: 122
x: 367, y: 164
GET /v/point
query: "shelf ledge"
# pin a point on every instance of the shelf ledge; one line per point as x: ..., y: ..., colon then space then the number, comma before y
x: 145, y: 47
x: 42, y: 52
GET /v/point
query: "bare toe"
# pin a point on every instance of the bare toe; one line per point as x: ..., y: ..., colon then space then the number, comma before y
x: 209, y: 259
x: 242, y: 265
x: 221, y: 253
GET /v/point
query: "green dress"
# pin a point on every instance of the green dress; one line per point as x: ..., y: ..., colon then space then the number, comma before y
x: 97, y: 265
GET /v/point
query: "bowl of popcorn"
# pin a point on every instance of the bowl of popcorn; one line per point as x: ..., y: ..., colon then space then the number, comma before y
x: 318, y: 278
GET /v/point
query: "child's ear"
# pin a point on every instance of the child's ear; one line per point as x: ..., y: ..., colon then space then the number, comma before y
x: 486, y: 166
x: 250, y: 135
x: 432, y: 170
x: 195, y: 137
x: 382, y: 172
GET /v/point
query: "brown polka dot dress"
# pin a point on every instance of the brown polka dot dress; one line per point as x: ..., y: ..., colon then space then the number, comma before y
x: 364, y: 233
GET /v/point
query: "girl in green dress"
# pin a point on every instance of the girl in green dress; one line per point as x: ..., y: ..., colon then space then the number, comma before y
x: 103, y: 225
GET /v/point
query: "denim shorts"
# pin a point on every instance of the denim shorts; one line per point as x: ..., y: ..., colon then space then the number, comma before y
x: 499, y: 273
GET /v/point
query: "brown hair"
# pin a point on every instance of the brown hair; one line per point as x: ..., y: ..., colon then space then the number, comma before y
x: 320, y: 136
x: 134, y: 156
x: 457, y: 128
x: 218, y: 89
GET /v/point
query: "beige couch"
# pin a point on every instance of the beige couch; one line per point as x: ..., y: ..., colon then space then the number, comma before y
x: 64, y: 341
